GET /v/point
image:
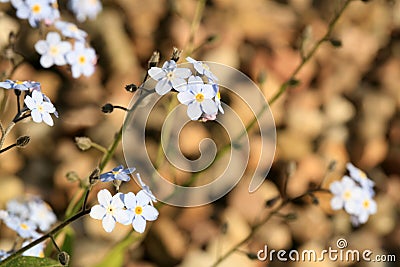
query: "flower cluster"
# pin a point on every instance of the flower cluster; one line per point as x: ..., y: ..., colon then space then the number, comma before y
x: 56, y: 49
x: 198, y: 91
x: 124, y: 208
x: 354, y: 193
x: 35, y: 101
x: 28, y: 218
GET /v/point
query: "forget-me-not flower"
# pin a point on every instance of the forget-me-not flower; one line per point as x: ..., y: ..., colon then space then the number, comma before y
x: 366, y: 206
x: 82, y: 60
x: 18, y: 85
x: 346, y: 194
x: 70, y: 30
x: 40, y: 109
x: 52, y: 50
x: 110, y: 210
x: 41, y: 214
x: 146, y: 188
x: 202, y: 69
x: 33, y: 10
x: 118, y: 173
x: 140, y: 210
x: 198, y: 97
x: 360, y: 177
x: 169, y: 77
x: 24, y: 228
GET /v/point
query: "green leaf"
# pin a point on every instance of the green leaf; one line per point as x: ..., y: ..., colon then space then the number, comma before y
x: 25, y: 261
x: 115, y: 258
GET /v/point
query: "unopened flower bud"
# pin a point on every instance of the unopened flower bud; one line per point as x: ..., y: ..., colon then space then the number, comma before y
x: 84, y: 143
x: 72, y: 176
x: 23, y: 141
x: 176, y: 54
x: 154, y: 59
x: 252, y: 256
x: 131, y: 87
x: 107, y: 108
x: 94, y: 176
x: 63, y: 258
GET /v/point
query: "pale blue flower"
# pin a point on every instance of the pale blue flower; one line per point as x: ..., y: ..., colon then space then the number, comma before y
x: 366, y: 206
x: 217, y: 97
x: 33, y: 10
x: 202, y: 69
x: 24, y: 228
x: 118, y: 173
x: 41, y: 214
x: 169, y: 77
x: 346, y: 194
x: 17, y: 208
x: 70, y: 30
x: 19, y: 85
x: 139, y: 209
x: 360, y: 177
x: 40, y: 109
x: 198, y: 97
x: 84, y: 9
x: 110, y: 210
x: 82, y: 60
x: 53, y: 50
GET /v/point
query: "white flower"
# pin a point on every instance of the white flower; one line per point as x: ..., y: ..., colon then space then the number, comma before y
x: 346, y: 194
x: 33, y: 10
x: 84, y: 9
x: 110, y: 210
x: 41, y: 214
x: 202, y: 69
x: 53, y: 50
x: 169, y: 77
x: 360, y: 177
x: 198, y: 98
x: 40, y: 109
x: 140, y: 210
x: 70, y: 30
x: 366, y: 207
x: 82, y: 60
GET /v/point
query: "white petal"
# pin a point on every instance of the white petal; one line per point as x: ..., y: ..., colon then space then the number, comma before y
x: 194, y: 111
x: 88, y: 70
x: 351, y: 207
x: 130, y: 200
x: 53, y: 38
x: 139, y: 224
x: 163, y: 87
x: 37, y: 96
x: 60, y: 60
x: 64, y: 47
x: 195, y: 80
x: 46, y: 61
x: 108, y: 223
x: 336, y: 203
x: 41, y: 47
x: 179, y: 84
x: 150, y: 213
x: 123, y: 216
x: 76, y: 71
x: 208, y: 91
x: 209, y: 106
x: 336, y: 188
x: 185, y: 97
x: 97, y: 212
x: 30, y: 103
x: 117, y: 201
x: 47, y: 119
x: 48, y: 107
x: 104, y: 197
x: 36, y: 116
x: 142, y: 198
x: 156, y: 73
x: 182, y: 72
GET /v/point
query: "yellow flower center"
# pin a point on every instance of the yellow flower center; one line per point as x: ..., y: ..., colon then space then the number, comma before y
x: 19, y: 82
x: 366, y: 204
x: 115, y: 172
x: 53, y: 50
x: 82, y: 59
x: 36, y: 8
x: 24, y: 226
x: 362, y: 174
x: 40, y: 108
x: 170, y: 75
x: 72, y: 28
x: 347, y: 195
x: 138, y: 210
x: 218, y: 95
x: 199, y: 97
x: 206, y: 67
x: 110, y: 210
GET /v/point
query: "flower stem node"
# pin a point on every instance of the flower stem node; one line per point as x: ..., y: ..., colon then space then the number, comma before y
x: 23, y: 141
x: 83, y: 143
x: 107, y: 108
x: 63, y: 258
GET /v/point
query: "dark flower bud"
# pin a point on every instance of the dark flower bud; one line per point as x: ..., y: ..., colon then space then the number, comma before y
x: 271, y: 202
x: 23, y: 141
x: 94, y: 176
x: 107, y: 108
x: 335, y: 42
x: 154, y: 59
x: 252, y: 256
x: 17, y: 92
x: 63, y: 258
x: 176, y: 54
x: 211, y: 38
x: 131, y: 87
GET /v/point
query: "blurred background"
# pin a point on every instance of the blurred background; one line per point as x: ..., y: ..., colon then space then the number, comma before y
x: 345, y: 109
